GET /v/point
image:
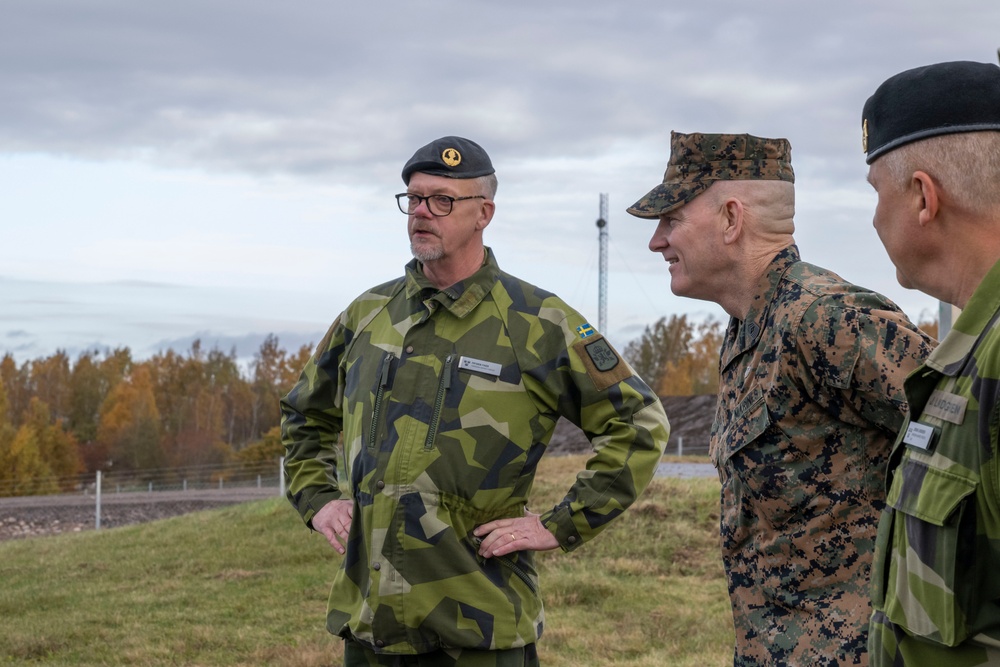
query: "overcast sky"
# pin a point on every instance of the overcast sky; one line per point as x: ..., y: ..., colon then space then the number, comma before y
x: 224, y: 169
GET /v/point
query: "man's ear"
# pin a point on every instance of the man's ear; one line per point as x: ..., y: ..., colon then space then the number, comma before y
x: 486, y: 211
x: 732, y: 220
x: 930, y: 196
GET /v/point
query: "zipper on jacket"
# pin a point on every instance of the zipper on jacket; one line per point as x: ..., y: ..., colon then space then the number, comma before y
x: 509, y: 563
x: 443, y: 386
x: 383, y: 383
x: 521, y: 574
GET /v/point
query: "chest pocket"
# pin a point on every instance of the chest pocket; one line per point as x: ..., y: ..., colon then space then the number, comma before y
x: 925, y: 581
x: 774, y: 478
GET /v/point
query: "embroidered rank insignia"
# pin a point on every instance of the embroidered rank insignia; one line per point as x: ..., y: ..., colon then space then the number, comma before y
x: 451, y: 157
x: 603, y: 364
x: 585, y: 331
x: 602, y: 355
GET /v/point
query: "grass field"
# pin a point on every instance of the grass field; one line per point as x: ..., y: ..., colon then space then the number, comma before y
x: 247, y: 585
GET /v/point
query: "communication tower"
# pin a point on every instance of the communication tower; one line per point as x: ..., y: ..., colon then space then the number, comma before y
x: 602, y: 281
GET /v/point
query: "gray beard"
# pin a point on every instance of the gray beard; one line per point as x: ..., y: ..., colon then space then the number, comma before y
x: 425, y: 253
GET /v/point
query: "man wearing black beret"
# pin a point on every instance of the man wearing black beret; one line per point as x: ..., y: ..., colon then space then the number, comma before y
x: 932, y: 138
x: 445, y: 386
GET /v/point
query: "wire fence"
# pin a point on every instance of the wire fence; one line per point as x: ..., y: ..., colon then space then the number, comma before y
x: 202, y: 477
x: 681, y: 445
x: 263, y: 474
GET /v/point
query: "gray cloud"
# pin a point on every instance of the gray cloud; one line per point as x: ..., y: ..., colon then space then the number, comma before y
x: 571, y: 99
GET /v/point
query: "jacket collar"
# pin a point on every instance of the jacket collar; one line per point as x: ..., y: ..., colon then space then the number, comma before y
x: 742, y: 335
x: 462, y: 297
x: 950, y: 356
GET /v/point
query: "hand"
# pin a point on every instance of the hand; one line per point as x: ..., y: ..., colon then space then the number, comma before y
x: 333, y: 520
x: 504, y: 536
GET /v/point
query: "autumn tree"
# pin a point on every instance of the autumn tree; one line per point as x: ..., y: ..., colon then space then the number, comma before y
x: 23, y: 471
x: 57, y: 447
x: 268, y: 448
x: 17, y: 387
x: 129, y: 427
x: 696, y: 371
x: 50, y: 382
x: 678, y: 357
x: 91, y: 379
x: 663, y: 342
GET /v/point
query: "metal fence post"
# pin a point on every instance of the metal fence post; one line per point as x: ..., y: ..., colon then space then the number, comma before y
x: 680, y: 445
x: 97, y: 508
x: 281, y: 477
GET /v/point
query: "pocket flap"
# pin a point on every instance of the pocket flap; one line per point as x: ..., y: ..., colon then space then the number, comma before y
x: 749, y: 421
x: 930, y: 494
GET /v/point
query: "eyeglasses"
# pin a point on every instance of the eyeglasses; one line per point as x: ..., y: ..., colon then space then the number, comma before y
x: 438, y: 205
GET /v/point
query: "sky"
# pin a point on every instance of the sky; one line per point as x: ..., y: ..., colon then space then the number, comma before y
x: 222, y: 170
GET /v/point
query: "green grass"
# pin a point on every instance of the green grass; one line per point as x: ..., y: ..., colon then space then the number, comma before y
x: 247, y: 585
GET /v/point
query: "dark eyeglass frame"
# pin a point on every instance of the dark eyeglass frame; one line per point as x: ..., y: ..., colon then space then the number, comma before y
x: 405, y: 199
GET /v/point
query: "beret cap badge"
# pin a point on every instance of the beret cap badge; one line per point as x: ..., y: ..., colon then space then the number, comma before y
x: 451, y: 157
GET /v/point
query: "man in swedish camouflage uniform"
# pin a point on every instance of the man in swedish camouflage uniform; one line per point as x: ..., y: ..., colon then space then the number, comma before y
x: 810, y: 398
x: 446, y: 385
x: 932, y: 138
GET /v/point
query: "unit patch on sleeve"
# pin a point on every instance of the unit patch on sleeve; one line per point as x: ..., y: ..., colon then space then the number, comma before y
x: 603, y: 365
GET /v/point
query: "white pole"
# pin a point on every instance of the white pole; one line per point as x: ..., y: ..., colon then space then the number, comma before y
x: 97, y: 509
x: 680, y: 445
x: 281, y: 476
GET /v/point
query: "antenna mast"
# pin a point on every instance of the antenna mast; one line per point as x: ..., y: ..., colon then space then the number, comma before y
x: 602, y: 289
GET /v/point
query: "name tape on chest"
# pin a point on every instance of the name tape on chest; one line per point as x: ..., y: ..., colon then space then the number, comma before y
x: 479, y: 366
x: 947, y: 406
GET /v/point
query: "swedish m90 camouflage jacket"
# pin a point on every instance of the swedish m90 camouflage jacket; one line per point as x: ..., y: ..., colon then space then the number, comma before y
x: 936, y: 579
x: 811, y: 397
x: 447, y: 400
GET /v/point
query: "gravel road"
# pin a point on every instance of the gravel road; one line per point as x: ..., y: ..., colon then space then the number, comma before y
x: 32, y: 516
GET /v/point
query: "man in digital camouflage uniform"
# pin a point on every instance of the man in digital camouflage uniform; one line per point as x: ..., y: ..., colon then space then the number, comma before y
x: 810, y: 398
x: 446, y: 385
x: 932, y: 138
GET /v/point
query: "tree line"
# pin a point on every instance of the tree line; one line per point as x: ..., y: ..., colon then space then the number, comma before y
x: 61, y: 418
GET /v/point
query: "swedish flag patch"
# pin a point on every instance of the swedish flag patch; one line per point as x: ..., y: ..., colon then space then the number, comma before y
x: 585, y: 331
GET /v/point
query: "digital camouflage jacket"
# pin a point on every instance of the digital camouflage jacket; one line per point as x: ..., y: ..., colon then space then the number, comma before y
x: 811, y: 397
x: 446, y: 400
x: 936, y: 580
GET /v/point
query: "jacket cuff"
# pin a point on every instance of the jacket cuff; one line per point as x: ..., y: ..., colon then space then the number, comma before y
x: 308, y: 504
x: 559, y: 522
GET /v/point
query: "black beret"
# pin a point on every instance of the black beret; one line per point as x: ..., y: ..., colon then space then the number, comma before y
x: 453, y: 157
x: 944, y: 98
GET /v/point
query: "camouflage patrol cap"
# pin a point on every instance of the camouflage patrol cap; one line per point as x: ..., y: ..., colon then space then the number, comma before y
x: 698, y: 160
x: 923, y: 102
x: 454, y: 157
